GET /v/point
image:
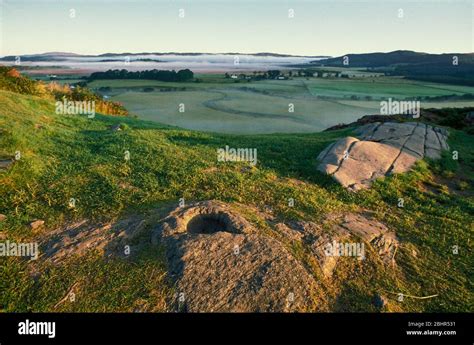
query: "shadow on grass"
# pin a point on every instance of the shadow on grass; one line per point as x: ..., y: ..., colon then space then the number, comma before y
x: 289, y: 155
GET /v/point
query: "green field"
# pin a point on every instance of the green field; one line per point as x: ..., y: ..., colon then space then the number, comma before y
x: 222, y: 105
x: 382, y: 87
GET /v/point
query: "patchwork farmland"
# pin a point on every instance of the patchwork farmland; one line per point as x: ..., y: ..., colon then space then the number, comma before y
x: 270, y: 106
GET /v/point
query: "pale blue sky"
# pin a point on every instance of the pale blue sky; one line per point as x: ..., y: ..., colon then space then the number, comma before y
x: 318, y: 27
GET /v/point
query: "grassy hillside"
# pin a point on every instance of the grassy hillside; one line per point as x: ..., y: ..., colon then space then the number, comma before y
x: 65, y: 157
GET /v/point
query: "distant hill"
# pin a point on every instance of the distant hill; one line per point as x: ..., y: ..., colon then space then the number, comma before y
x: 413, y: 65
x: 61, y: 56
x: 397, y: 57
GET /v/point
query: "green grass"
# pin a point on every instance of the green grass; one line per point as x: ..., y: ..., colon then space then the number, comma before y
x: 72, y: 156
x: 117, y: 285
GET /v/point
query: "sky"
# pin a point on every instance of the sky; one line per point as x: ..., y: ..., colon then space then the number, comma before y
x: 317, y: 27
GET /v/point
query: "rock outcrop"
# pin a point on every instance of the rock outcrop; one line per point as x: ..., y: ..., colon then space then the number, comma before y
x: 383, y: 149
x: 221, y: 264
x: 78, y: 238
x: 218, y: 261
x: 350, y: 228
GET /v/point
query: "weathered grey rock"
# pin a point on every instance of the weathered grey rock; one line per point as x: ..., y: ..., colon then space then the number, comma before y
x: 385, y: 148
x: 442, y: 135
x: 365, y: 132
x: 6, y: 163
x: 219, y: 263
x: 206, y: 216
x: 416, y: 142
x: 345, y: 229
x: 432, y: 140
x: 319, y: 246
x: 290, y: 233
x: 317, y: 239
x: 236, y: 272
x: 442, y: 130
x: 366, y: 161
x: 75, y: 239
x: 404, y: 161
x: 333, y: 157
x: 432, y: 153
x: 109, y: 238
x: 372, y: 232
x: 391, y: 130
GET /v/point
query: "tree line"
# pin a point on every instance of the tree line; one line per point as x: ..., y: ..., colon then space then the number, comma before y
x: 154, y: 74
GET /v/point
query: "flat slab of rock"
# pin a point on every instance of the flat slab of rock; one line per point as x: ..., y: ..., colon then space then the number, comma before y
x: 350, y: 228
x: 83, y: 236
x: 220, y: 264
x: 373, y: 232
x: 383, y: 149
